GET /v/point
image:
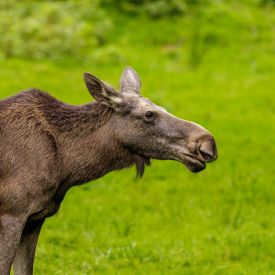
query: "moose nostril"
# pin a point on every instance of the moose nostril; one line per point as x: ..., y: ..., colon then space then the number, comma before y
x: 207, y: 156
x: 207, y: 148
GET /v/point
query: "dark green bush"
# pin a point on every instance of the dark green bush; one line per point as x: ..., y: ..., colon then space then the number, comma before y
x: 267, y: 2
x: 154, y: 8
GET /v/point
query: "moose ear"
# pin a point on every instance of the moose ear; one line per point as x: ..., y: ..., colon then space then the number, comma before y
x: 129, y: 81
x: 102, y: 92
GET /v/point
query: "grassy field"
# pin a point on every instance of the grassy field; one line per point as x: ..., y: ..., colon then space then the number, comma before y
x: 220, y: 221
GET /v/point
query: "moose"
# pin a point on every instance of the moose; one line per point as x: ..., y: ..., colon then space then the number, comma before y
x: 47, y: 146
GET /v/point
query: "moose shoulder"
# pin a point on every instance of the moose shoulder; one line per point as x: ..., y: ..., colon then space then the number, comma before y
x: 47, y: 146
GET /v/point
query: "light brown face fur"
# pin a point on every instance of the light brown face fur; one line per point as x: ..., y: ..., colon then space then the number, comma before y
x: 149, y: 130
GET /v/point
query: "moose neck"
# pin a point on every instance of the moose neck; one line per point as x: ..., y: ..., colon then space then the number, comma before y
x: 87, y: 144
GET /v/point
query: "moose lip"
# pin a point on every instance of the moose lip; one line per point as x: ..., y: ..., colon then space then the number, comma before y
x: 194, y: 164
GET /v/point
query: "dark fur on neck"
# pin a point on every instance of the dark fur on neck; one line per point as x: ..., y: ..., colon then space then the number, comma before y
x: 70, y: 121
x: 80, y: 120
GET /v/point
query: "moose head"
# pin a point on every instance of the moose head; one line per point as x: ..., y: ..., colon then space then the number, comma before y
x: 149, y: 130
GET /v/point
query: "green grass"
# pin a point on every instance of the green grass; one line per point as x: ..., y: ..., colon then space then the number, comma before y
x: 220, y: 221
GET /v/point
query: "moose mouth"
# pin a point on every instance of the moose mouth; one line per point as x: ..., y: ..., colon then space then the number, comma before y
x: 193, y: 163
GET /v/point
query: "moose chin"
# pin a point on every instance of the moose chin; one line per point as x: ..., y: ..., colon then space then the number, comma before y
x: 47, y: 146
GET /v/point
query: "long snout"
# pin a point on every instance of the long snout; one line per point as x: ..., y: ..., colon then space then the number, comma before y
x: 188, y: 142
x: 200, y: 144
x: 206, y: 148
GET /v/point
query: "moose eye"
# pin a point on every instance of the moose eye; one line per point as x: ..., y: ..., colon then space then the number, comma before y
x: 150, y: 115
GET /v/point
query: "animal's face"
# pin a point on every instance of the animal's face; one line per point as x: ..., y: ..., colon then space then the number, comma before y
x: 149, y: 130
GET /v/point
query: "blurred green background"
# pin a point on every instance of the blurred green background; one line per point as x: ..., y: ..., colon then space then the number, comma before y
x: 212, y: 62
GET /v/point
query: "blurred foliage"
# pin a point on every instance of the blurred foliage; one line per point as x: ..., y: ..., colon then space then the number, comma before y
x: 156, y: 8
x: 267, y: 2
x: 51, y: 29
x: 85, y: 30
